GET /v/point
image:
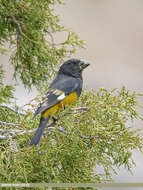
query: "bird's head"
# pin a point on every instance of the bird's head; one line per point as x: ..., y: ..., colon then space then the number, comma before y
x: 73, y: 67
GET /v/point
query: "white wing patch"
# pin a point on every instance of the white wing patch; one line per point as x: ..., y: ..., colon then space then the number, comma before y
x: 61, y: 97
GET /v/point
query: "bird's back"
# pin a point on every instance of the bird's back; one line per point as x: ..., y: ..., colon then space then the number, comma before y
x: 67, y: 84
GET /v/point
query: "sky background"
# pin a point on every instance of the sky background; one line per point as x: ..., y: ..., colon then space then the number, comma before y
x: 113, y: 31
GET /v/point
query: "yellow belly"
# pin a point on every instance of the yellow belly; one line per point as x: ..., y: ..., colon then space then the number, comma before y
x: 67, y: 101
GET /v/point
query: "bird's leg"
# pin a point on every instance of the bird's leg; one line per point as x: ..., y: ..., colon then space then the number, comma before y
x: 55, y: 119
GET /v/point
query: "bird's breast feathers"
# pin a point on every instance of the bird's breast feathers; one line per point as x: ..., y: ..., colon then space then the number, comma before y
x: 53, y: 100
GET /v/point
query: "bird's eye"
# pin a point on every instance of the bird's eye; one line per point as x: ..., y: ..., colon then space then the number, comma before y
x: 81, y: 63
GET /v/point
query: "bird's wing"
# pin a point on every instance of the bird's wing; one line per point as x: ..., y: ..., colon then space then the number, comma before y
x: 54, y: 96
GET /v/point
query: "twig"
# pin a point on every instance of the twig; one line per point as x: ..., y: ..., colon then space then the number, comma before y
x: 51, y: 36
x: 52, y: 39
x: 49, y: 128
x: 61, y: 129
x: 80, y: 109
x: 20, y: 30
x: 13, y: 110
x: 13, y: 145
x: 21, y: 132
x: 89, y: 137
x: 30, y: 103
x: 13, y: 131
x: 4, y: 137
x: 8, y: 123
x: 18, y: 25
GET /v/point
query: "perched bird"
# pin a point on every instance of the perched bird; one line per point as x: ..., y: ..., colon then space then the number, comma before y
x: 64, y: 90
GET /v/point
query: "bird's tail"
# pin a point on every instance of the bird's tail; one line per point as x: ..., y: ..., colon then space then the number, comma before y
x: 36, y: 138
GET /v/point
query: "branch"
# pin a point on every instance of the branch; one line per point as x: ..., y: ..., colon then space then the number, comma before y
x: 8, y: 123
x: 5, y: 137
x: 13, y: 145
x: 80, y: 109
x: 14, y: 131
x: 61, y: 129
x: 51, y: 36
x: 52, y: 39
x: 21, y: 132
x: 20, y: 29
x: 13, y: 110
x: 18, y: 25
x: 49, y: 128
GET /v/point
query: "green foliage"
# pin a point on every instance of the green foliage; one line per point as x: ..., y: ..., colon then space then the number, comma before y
x: 29, y: 27
x: 99, y: 136
x: 6, y: 91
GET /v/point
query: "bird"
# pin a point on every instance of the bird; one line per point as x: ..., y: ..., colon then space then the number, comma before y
x: 63, y: 91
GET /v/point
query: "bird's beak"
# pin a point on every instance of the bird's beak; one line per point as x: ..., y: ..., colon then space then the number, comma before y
x: 84, y: 65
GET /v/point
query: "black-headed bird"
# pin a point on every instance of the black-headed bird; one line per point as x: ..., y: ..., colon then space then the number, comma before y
x: 63, y: 91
